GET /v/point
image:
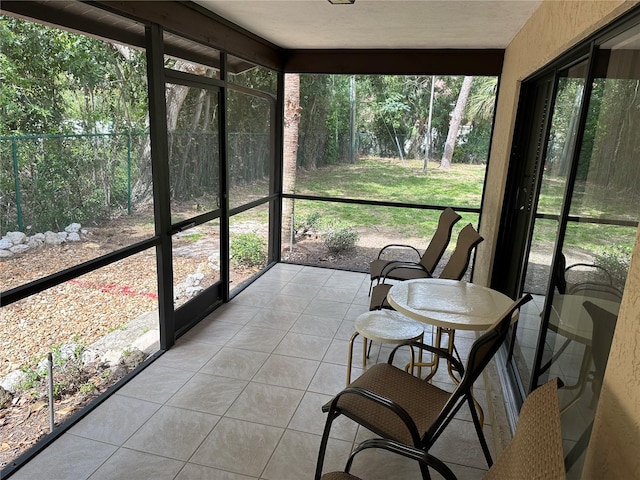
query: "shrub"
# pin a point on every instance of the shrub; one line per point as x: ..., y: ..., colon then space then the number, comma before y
x: 616, y: 260
x: 340, y: 238
x: 307, y: 224
x: 248, y: 250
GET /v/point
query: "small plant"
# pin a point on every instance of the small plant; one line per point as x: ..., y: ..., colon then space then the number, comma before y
x: 307, y: 224
x: 31, y: 378
x: 248, y: 250
x: 340, y: 238
x: 87, y: 388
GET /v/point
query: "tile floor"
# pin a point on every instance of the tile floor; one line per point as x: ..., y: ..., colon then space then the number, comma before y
x: 239, y: 397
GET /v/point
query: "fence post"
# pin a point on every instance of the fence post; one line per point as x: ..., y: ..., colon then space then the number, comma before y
x: 129, y: 172
x: 16, y: 179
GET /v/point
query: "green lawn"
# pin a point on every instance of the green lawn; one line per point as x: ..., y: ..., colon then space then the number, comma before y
x: 390, y: 180
x: 461, y: 186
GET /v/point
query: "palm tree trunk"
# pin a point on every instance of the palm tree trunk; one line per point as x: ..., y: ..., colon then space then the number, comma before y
x: 454, y: 124
x: 290, y: 149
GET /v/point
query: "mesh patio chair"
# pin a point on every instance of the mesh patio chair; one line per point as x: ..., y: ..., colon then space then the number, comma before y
x: 534, y: 453
x: 587, y: 279
x: 456, y: 267
x: 423, y: 264
x: 398, y: 406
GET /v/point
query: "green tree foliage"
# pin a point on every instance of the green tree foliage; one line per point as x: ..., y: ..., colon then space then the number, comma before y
x: 68, y: 89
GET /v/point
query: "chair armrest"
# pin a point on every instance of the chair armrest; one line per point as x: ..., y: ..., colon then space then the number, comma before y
x: 406, y: 451
x: 440, y: 352
x: 594, y: 266
x: 399, y: 245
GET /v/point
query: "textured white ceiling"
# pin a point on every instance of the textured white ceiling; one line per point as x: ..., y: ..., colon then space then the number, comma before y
x: 379, y: 23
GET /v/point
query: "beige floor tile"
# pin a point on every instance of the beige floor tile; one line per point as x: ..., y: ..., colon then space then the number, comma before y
x: 303, y: 346
x: 299, y: 290
x: 188, y: 355
x: 310, y: 418
x: 157, y: 383
x: 329, y: 379
x: 316, y: 325
x: 280, y: 319
x: 266, y: 404
x: 213, y: 331
x: 288, y: 303
x: 258, y: 339
x: 326, y: 308
x: 173, y: 432
x: 235, y: 363
x: 459, y: 444
x: 115, y: 420
x: 238, y: 446
x: 287, y: 372
x: 68, y: 457
x: 192, y: 471
x: 336, y: 292
x: 234, y: 313
x: 137, y: 465
x: 208, y: 394
x: 303, y: 447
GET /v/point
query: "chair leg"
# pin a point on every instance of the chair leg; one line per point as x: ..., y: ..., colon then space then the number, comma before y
x: 479, y: 432
x: 350, y: 356
x: 424, y: 469
x: 323, y: 443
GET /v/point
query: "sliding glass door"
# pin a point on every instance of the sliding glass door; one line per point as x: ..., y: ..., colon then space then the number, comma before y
x: 571, y: 241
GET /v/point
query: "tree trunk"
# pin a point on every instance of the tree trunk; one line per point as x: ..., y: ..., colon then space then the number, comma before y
x: 290, y: 149
x: 175, y: 96
x: 454, y: 124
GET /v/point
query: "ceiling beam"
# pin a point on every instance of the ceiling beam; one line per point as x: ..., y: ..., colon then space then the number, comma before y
x: 396, y: 62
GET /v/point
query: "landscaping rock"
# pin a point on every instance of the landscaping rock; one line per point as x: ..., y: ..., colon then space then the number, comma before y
x: 13, y: 380
x: 20, y: 248
x: 5, y: 398
x: 133, y: 358
x: 16, y: 237
x: 35, y: 242
x: 5, y: 243
x: 73, y: 228
x: 52, y: 238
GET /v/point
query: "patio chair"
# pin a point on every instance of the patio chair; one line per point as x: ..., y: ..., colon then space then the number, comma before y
x: 425, y: 263
x: 535, y: 451
x: 604, y: 325
x: 587, y: 279
x: 455, y: 268
x: 398, y: 406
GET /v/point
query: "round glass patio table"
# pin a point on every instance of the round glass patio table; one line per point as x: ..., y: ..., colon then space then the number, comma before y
x: 450, y: 304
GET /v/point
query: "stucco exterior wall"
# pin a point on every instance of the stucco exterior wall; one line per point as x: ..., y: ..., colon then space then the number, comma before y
x: 614, y: 450
x: 555, y: 27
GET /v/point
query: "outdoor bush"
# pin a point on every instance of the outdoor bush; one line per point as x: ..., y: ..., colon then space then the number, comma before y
x: 340, y: 238
x: 616, y: 260
x: 248, y: 250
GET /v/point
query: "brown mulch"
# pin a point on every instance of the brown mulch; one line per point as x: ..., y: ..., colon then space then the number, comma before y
x: 79, y: 311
